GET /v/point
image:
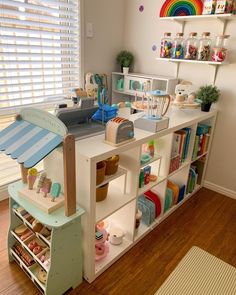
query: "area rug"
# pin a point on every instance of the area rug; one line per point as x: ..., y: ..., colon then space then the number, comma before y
x: 200, y: 273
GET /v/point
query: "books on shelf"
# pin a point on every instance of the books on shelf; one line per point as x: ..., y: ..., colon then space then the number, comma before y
x: 180, y: 146
x: 201, y: 141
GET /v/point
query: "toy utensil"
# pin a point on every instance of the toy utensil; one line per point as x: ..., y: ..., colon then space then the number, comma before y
x: 55, y: 191
x: 40, y: 182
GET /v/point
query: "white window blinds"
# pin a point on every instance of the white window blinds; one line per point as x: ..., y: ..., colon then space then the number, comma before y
x: 39, y: 51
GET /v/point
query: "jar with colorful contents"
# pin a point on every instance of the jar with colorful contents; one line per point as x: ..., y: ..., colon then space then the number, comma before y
x: 178, y: 46
x: 220, y: 50
x: 191, y: 46
x: 166, y: 46
x: 204, y: 49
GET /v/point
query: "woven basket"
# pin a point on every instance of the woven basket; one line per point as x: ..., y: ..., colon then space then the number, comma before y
x: 112, y: 165
x: 101, y: 192
x: 101, y: 168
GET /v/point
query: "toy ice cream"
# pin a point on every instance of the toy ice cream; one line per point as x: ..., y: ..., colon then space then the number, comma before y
x: 31, y: 177
x: 55, y: 191
x: 40, y: 182
x: 46, y: 186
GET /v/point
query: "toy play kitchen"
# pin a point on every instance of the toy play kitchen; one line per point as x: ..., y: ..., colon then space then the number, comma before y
x: 154, y: 119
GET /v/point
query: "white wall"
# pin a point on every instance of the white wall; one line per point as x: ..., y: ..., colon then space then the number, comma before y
x: 99, y: 52
x: 142, y: 31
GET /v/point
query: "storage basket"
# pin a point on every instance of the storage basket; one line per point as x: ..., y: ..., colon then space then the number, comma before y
x: 101, y: 192
x: 101, y: 168
x: 112, y: 164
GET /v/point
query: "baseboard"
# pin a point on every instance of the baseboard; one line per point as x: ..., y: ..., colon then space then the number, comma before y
x: 220, y: 189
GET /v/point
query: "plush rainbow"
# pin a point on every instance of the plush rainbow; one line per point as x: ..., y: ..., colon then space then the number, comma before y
x: 181, y: 8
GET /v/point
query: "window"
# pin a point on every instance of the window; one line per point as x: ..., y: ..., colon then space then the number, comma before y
x: 39, y: 55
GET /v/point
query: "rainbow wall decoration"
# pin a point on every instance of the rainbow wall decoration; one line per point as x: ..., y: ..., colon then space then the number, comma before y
x: 181, y: 8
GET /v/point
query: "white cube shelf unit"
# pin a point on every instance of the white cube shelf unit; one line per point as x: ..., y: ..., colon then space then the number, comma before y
x: 119, y: 208
x: 133, y: 84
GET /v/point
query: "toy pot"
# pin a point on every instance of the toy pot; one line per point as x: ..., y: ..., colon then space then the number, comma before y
x: 101, y: 168
x: 112, y: 164
x: 101, y: 192
x: 116, y: 236
x: 125, y: 70
x: 205, y: 107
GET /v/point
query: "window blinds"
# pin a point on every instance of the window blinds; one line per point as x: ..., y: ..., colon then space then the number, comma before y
x: 39, y: 51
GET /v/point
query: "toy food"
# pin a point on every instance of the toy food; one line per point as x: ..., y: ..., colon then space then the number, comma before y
x: 55, y: 191
x: 42, y: 275
x: 32, y: 245
x: 26, y: 235
x: 25, y: 257
x: 40, y: 182
x: 37, y: 249
x: 100, y: 249
x: 37, y: 226
x: 20, y: 230
x: 46, y: 186
x: 152, y: 177
x: 32, y: 175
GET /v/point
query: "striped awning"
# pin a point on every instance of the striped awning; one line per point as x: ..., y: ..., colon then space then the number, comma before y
x: 27, y: 142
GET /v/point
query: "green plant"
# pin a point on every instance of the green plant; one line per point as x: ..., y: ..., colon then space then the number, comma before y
x: 125, y: 59
x: 208, y: 94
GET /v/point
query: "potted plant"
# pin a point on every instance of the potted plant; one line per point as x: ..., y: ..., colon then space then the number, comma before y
x: 207, y: 95
x: 125, y: 60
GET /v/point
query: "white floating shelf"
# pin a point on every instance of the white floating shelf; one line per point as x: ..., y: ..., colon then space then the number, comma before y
x: 213, y: 63
x: 108, y: 178
x: 222, y: 17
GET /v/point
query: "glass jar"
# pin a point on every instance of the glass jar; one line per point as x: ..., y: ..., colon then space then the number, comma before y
x: 220, y: 50
x: 178, y: 47
x: 204, y: 49
x: 191, y: 47
x: 166, y: 45
x: 222, y: 41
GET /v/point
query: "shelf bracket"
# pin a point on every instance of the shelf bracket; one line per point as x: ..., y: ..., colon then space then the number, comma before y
x: 224, y: 22
x: 182, y: 24
x: 215, y: 73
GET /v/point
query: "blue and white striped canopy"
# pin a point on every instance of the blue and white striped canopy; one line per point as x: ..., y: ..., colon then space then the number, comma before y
x: 28, y: 143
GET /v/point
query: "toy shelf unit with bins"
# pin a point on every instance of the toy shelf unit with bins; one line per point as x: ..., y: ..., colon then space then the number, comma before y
x: 126, y: 87
x: 44, y: 236
x: 182, y: 20
x: 120, y: 209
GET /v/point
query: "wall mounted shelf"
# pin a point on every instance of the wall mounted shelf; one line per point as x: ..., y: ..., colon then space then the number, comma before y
x: 223, y: 18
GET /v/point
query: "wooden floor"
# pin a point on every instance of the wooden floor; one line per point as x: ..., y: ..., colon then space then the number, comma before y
x: 207, y: 220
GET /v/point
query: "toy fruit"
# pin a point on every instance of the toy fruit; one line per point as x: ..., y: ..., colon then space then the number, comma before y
x: 37, y: 250
x: 32, y: 245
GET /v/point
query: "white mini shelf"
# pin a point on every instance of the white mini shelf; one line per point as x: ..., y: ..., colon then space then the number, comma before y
x: 155, y: 158
x: 120, y: 172
x: 115, y: 252
x: 182, y: 165
x: 151, y: 184
x: 199, y: 157
x: 115, y: 200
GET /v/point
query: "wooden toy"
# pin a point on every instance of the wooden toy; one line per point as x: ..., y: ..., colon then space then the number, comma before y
x: 55, y: 191
x: 46, y: 186
x: 31, y: 177
x: 37, y: 133
x: 119, y: 131
x: 40, y: 182
x: 181, y: 8
x: 112, y: 164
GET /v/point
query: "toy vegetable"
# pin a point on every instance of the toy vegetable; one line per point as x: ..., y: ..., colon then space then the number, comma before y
x: 32, y: 175
x: 40, y: 182
x: 55, y: 191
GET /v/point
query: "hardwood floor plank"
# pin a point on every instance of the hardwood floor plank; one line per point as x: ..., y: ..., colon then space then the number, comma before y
x: 207, y: 220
